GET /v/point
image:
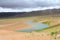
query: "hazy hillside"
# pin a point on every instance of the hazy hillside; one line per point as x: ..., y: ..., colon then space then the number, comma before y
x: 51, y: 12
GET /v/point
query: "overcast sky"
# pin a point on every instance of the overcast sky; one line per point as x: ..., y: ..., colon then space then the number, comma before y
x: 27, y: 5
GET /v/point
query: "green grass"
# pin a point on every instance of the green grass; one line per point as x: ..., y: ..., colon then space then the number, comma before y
x: 51, y: 27
x: 47, y: 22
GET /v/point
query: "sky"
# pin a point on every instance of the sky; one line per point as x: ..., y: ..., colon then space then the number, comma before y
x: 27, y: 5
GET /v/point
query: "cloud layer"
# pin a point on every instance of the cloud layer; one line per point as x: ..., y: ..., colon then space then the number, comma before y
x: 27, y: 5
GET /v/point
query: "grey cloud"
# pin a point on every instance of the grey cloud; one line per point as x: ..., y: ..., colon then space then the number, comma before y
x: 28, y: 3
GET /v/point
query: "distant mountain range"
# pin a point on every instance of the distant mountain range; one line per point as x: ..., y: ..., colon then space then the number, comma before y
x: 52, y: 12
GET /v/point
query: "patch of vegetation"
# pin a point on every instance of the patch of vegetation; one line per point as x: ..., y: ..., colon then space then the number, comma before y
x: 58, y: 25
x: 47, y: 22
x: 35, y: 20
x: 54, y: 34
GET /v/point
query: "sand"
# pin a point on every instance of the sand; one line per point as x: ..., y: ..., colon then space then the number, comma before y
x: 10, y: 35
x: 15, y: 26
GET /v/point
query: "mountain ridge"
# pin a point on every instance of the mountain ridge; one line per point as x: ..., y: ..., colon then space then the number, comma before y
x: 52, y: 12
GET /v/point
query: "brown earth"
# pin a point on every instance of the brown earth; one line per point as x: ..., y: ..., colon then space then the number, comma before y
x: 10, y: 35
x: 14, y: 26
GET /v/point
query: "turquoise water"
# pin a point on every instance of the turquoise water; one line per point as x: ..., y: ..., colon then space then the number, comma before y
x: 37, y: 26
